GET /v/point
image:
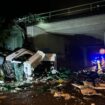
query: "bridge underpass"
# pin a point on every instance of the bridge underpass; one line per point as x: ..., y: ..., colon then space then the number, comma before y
x: 92, y: 26
x: 69, y: 35
x: 50, y: 34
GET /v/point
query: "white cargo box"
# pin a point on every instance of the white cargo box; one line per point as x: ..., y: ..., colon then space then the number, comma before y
x: 50, y: 57
x: 18, y: 54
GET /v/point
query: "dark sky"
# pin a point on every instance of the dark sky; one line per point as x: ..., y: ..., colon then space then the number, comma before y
x: 18, y: 8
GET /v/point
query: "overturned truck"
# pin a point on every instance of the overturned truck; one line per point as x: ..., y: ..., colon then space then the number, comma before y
x: 21, y: 64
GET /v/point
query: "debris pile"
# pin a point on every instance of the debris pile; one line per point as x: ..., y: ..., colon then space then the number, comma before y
x: 25, y: 70
x: 89, y: 81
x: 66, y: 96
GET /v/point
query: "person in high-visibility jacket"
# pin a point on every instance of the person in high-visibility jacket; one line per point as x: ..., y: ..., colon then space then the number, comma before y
x: 99, y: 67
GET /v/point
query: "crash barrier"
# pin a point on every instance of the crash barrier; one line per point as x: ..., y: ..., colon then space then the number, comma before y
x: 94, y: 6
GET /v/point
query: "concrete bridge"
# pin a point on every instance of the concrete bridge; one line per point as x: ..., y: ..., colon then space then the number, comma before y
x: 47, y: 35
x: 91, y: 26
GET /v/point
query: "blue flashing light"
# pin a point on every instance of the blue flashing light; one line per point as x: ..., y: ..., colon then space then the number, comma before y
x: 97, y: 57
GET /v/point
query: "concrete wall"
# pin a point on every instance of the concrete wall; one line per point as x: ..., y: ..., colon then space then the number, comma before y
x: 45, y: 41
x: 91, y: 25
x: 48, y: 43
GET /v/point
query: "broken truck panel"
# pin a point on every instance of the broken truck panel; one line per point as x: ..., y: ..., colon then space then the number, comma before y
x: 8, y: 70
x: 2, y: 58
x: 33, y: 62
x: 18, y: 68
x: 36, y: 59
x: 25, y: 61
x: 17, y: 54
x: 50, y: 57
x: 16, y: 59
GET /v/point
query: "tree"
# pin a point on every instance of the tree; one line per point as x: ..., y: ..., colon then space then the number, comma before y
x: 5, y: 26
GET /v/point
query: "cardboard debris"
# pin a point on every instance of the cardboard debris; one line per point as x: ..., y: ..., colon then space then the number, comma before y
x: 89, y: 92
x: 66, y: 96
x: 99, y: 87
x: 3, y: 97
x: 93, y: 104
x: 86, y: 83
x: 101, y: 84
x: 86, y: 90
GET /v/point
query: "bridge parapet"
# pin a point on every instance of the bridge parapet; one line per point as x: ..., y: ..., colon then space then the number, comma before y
x: 75, y: 10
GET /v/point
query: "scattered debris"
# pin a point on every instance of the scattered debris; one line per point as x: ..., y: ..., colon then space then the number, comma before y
x: 21, y: 66
x: 66, y: 96
x: 87, y: 98
x: 3, y: 97
x: 89, y: 84
x: 87, y: 90
x: 93, y: 104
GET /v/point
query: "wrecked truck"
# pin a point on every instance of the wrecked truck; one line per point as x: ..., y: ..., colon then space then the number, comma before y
x: 23, y: 62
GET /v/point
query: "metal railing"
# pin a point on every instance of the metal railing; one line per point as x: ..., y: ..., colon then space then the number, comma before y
x: 62, y: 12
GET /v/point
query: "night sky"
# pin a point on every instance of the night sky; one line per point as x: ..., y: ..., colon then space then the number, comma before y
x: 19, y: 8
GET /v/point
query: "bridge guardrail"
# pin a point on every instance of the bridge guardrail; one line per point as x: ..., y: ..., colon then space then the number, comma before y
x: 62, y: 12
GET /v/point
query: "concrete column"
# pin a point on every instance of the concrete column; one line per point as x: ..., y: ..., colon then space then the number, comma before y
x: 104, y: 38
x: 84, y: 56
